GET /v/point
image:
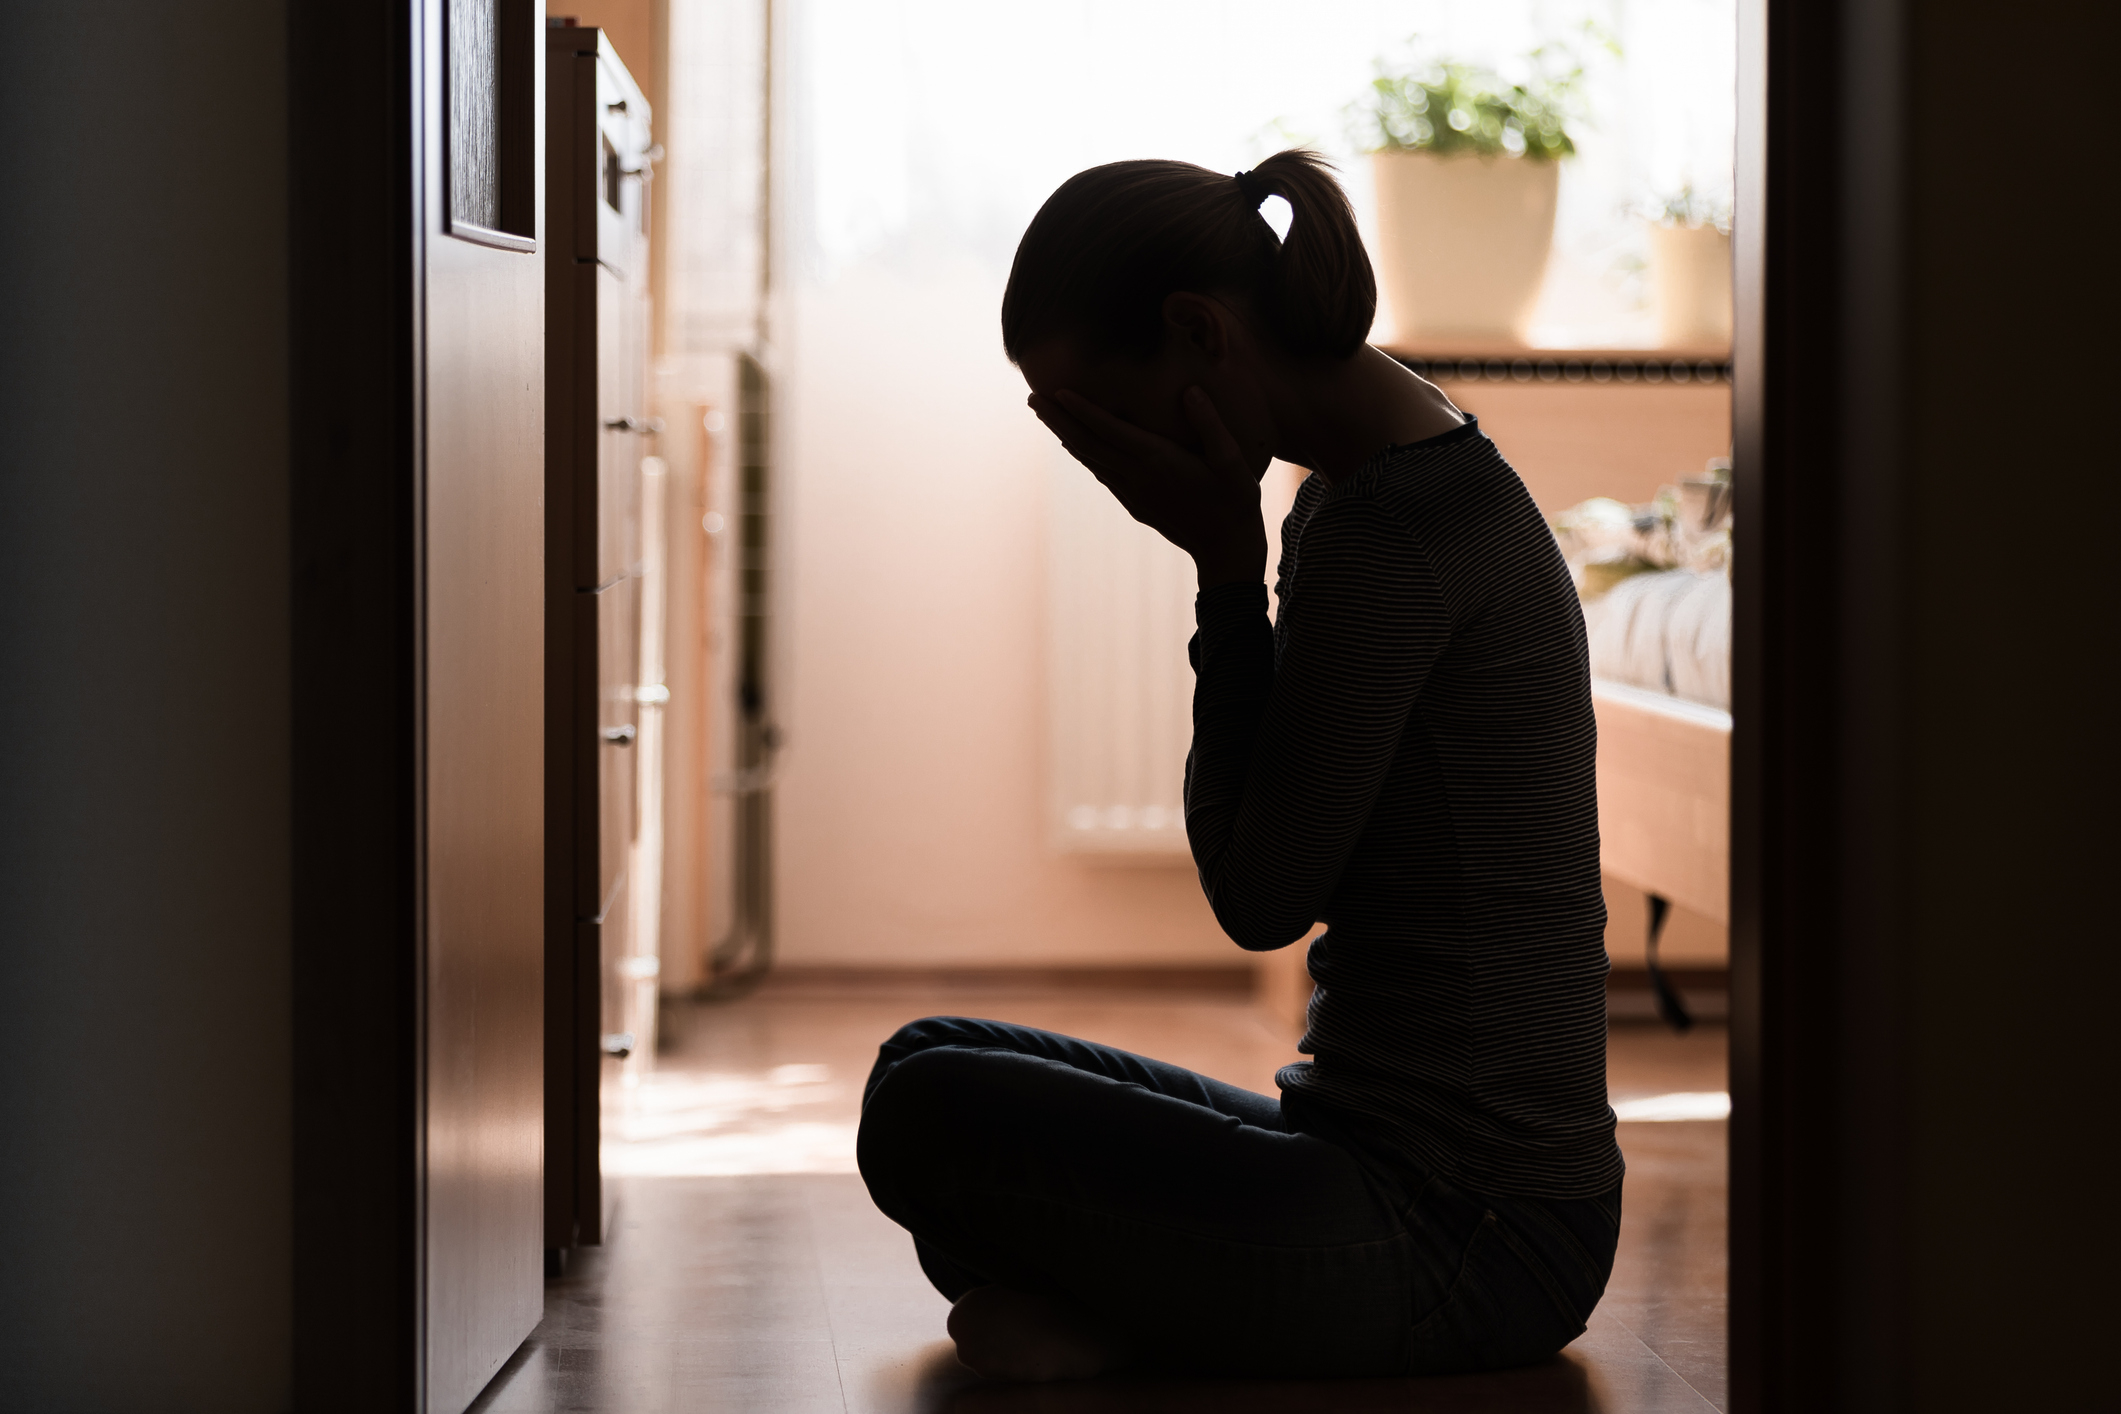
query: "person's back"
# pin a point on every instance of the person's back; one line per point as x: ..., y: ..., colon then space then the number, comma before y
x: 1406, y: 753
x: 1460, y: 1010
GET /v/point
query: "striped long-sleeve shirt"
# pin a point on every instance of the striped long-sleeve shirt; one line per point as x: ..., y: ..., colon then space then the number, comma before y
x: 1407, y: 755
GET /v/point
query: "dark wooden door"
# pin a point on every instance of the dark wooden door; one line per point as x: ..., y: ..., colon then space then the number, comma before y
x: 483, y: 561
x: 417, y: 508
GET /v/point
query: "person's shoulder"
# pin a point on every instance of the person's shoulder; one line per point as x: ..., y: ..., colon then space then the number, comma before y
x: 1438, y: 462
x: 1415, y: 484
x: 1459, y: 479
x: 1362, y: 530
x: 1463, y: 504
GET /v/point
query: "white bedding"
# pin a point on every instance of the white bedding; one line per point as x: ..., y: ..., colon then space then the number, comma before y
x: 1669, y: 632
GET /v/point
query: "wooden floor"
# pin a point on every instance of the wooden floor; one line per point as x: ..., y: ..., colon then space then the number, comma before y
x: 748, y: 1271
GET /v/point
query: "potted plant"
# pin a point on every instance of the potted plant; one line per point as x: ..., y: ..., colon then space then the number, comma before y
x: 1466, y: 170
x: 1690, y: 270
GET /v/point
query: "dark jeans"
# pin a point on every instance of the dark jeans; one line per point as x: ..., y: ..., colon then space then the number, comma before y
x: 1247, y: 1241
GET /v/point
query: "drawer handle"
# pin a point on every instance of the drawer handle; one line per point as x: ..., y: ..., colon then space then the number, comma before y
x: 620, y: 736
x: 617, y: 1044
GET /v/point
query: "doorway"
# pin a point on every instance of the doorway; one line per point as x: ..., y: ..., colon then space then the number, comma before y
x: 933, y: 849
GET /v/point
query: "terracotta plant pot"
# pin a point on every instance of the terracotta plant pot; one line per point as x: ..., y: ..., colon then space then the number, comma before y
x: 1462, y: 243
x: 1690, y: 281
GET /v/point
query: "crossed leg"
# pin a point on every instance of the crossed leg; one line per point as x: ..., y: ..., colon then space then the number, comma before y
x: 1087, y: 1208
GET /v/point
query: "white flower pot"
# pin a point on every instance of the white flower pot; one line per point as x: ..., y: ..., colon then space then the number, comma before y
x: 1690, y: 282
x: 1462, y: 243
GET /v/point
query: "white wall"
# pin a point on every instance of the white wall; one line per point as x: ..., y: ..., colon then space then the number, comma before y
x: 144, y: 946
x: 910, y: 809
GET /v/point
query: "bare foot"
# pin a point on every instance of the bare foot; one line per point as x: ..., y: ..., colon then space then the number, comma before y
x: 1005, y: 1334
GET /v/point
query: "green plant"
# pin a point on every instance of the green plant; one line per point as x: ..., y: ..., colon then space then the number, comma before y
x: 1688, y: 207
x: 1452, y: 108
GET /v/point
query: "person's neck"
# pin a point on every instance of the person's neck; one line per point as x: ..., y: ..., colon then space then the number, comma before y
x: 1336, y: 417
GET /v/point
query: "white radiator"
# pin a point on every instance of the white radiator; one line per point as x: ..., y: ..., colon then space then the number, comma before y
x: 1119, y: 692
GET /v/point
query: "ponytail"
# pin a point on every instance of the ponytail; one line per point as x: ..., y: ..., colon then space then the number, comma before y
x: 1111, y: 243
x: 1321, y: 296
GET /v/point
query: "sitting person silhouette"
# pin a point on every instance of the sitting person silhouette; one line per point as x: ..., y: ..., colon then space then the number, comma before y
x: 1405, y: 753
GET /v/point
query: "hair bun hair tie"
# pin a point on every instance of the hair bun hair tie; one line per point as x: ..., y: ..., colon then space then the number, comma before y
x: 1254, y: 189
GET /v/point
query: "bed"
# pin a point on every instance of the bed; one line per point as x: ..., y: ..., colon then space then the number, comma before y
x: 1661, y: 683
x: 1656, y: 589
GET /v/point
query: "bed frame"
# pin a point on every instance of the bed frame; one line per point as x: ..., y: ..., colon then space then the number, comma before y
x: 1664, y: 796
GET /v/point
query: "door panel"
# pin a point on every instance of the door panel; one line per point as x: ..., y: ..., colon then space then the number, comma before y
x: 618, y: 719
x: 617, y: 246
x: 618, y: 444
x: 485, y: 812
x: 613, y: 941
x: 483, y: 562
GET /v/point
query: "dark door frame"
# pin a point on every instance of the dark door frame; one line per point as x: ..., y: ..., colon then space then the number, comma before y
x: 356, y: 227
x: 1815, y: 1238
x: 1922, y: 797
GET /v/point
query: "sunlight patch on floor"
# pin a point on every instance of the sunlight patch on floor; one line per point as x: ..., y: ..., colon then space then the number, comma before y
x: 688, y: 1124
x: 1679, y: 1105
x: 789, y: 1148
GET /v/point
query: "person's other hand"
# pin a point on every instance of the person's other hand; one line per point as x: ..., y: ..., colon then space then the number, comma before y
x: 1206, y: 503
